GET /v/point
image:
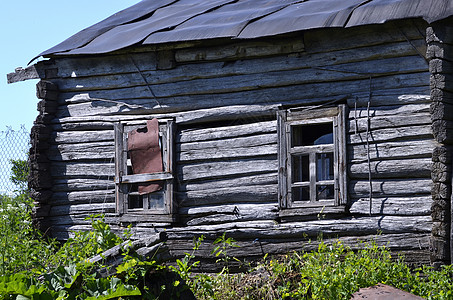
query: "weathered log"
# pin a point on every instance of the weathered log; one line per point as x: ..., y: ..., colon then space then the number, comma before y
x: 440, y: 95
x: 230, y: 195
x: 441, y: 81
x: 246, y: 79
x: 443, y: 131
x: 210, y: 184
x: 410, y: 206
x: 441, y: 172
x: 438, y: 50
x: 71, y: 67
x: 441, y: 111
x: 390, y: 187
x: 267, y: 87
x: 439, y: 65
x: 394, y: 110
x: 81, y: 184
x: 340, y: 227
x: 259, y: 247
x: 394, y: 121
x: 228, y: 213
x: 76, y: 169
x: 402, y: 168
x: 391, y: 150
x: 220, y: 169
x: 84, y: 151
x: 321, y: 40
x: 76, y: 209
x: 72, y: 137
x: 21, y: 74
x: 83, y: 197
x: 392, y: 134
x: 256, y: 145
x: 215, y: 133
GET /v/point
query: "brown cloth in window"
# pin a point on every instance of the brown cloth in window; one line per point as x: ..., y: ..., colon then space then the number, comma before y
x: 145, y: 154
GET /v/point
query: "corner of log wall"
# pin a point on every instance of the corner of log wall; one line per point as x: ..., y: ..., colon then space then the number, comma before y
x: 439, y: 39
x: 40, y: 180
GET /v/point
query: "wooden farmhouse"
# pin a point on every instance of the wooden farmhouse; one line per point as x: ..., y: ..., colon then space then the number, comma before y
x: 273, y: 121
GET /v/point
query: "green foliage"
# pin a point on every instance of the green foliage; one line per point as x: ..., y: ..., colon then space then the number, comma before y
x: 185, y: 265
x: 332, y: 272
x: 86, y: 244
x: 22, y: 248
x: 19, y: 172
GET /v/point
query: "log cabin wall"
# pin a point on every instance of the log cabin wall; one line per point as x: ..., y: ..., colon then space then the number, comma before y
x: 440, y: 42
x: 224, y: 97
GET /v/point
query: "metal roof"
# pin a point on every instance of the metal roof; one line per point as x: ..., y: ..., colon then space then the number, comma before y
x: 163, y: 21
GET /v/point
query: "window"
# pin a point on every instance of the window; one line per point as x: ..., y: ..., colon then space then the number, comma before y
x: 312, y: 157
x: 144, y: 170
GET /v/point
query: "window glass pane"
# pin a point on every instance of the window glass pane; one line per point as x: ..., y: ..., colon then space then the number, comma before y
x: 324, y: 166
x: 313, y: 134
x: 325, y: 192
x: 301, y: 193
x: 300, y: 168
x: 156, y: 200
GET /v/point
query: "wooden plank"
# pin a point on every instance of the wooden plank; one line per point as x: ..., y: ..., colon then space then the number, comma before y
x: 402, y: 168
x: 392, y: 150
x: 227, y: 168
x: 390, y: 187
x: 66, y: 199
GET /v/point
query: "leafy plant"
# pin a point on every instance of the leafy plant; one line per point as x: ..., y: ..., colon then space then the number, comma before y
x: 19, y: 174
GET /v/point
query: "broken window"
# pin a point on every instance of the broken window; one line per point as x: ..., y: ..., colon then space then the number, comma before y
x: 144, y: 171
x: 312, y: 157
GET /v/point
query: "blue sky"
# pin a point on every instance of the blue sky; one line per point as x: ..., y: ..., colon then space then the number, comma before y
x: 28, y: 27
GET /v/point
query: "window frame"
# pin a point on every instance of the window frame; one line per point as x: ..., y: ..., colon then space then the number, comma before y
x: 124, y: 182
x: 286, y: 119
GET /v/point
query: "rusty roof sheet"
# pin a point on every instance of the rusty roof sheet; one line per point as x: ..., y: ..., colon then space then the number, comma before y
x: 164, y: 21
